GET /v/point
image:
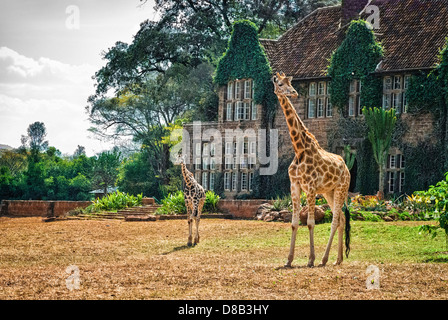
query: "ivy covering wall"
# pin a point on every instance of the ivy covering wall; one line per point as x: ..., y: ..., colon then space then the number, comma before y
x: 356, y: 58
x: 245, y: 59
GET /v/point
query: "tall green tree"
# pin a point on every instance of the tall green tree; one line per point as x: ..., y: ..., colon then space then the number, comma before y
x: 106, y: 169
x: 381, y: 124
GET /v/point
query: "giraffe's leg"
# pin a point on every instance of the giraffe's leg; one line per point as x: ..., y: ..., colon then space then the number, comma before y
x: 197, y: 218
x: 329, y: 196
x: 311, y: 202
x: 335, y: 225
x: 295, y: 198
x: 190, y: 223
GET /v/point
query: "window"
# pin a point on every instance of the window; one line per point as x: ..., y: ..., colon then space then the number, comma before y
x: 228, y: 163
x: 252, y: 162
x: 234, y: 163
x: 227, y: 181
x: 198, y: 149
x: 311, y: 107
x: 230, y: 91
x: 254, y: 111
x: 212, y: 181
x: 205, y: 180
x: 329, y: 108
x: 229, y: 111
x: 386, y: 101
x: 395, y: 172
x: 251, y: 178
x: 391, y: 181
x: 243, y: 164
x: 244, y: 181
x: 234, y: 181
x: 312, y: 89
x: 205, y: 163
x: 237, y: 90
x: 396, y: 102
x: 321, y: 88
x: 212, y: 164
x: 253, y: 147
x: 237, y: 110
x: 351, y: 106
x: 401, y: 182
x: 212, y: 149
x: 197, y: 163
x: 358, y: 104
x: 245, y: 113
x: 397, y: 83
x: 197, y: 176
x: 394, y: 92
x: 388, y: 83
x: 247, y: 89
x: 245, y: 146
x: 320, y: 108
x: 328, y: 87
x: 353, y: 86
x: 228, y: 148
x: 392, y: 161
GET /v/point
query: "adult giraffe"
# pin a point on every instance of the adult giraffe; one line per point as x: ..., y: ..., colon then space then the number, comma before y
x: 315, y: 171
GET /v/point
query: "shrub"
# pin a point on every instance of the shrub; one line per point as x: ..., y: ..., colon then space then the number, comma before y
x: 174, y: 203
x: 115, y: 201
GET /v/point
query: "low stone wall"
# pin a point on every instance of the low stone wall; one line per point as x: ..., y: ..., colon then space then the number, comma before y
x: 37, y: 208
x: 245, y: 209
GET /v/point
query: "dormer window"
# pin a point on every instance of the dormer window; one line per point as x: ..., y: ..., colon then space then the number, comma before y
x: 239, y: 104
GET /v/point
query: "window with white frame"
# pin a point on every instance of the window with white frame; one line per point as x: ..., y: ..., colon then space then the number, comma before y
x: 311, y: 108
x: 329, y: 108
x: 198, y: 149
x: 394, y: 92
x: 228, y: 163
x: 244, y: 181
x: 253, y: 147
x: 227, y: 176
x: 230, y: 91
x: 354, y: 100
x: 351, y: 106
x: 254, y: 111
x: 212, y: 164
x: 395, y: 169
x: 212, y: 181
x: 205, y: 163
x: 234, y: 181
x: 247, y: 89
x: 321, y: 88
x: 228, y: 148
x: 197, y: 163
x: 251, y: 179
x: 312, y: 89
x: 320, y: 107
x: 238, y: 90
x: 205, y: 180
x: 229, y: 110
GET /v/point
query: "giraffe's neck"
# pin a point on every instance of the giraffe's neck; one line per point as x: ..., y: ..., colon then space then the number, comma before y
x: 299, y: 134
x: 188, y: 176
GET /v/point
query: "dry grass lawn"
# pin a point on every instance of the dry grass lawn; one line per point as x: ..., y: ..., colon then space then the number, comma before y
x: 235, y: 260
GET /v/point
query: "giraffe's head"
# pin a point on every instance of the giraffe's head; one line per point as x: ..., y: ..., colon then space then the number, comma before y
x: 180, y: 159
x: 282, y: 85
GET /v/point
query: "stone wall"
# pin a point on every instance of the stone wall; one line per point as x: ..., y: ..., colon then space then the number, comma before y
x: 37, y: 208
x: 245, y: 209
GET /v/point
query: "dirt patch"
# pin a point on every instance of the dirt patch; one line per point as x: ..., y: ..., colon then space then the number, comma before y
x: 234, y: 260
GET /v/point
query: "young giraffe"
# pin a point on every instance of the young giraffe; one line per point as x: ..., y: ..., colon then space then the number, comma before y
x: 315, y: 171
x: 194, y: 195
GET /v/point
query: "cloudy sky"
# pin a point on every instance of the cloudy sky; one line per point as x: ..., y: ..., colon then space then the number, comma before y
x: 49, y: 50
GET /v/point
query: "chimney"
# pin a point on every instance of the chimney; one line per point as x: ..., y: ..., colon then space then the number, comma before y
x: 351, y: 10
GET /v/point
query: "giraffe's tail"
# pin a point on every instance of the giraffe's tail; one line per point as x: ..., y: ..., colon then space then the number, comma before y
x: 347, y: 229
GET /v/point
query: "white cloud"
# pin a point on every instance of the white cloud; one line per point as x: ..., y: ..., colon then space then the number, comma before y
x: 49, y: 91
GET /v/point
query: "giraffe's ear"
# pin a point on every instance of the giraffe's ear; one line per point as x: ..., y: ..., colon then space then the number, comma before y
x: 283, y: 74
x: 290, y: 79
x: 278, y: 75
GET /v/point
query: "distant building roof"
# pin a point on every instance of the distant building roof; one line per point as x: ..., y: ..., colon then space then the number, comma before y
x: 101, y: 191
x: 412, y: 33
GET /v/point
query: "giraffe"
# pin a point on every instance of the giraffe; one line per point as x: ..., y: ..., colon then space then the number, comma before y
x: 194, y: 195
x: 314, y: 171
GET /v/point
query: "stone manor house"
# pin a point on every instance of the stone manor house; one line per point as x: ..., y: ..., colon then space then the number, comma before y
x: 412, y: 32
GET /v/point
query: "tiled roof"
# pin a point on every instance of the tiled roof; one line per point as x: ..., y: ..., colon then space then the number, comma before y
x: 412, y: 33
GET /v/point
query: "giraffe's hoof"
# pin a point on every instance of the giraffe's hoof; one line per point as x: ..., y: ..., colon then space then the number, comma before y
x: 321, y: 265
x: 310, y: 265
x: 288, y: 265
x: 337, y: 263
x: 189, y: 244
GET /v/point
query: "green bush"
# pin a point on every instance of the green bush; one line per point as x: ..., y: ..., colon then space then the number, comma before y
x: 115, y: 201
x: 174, y: 203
